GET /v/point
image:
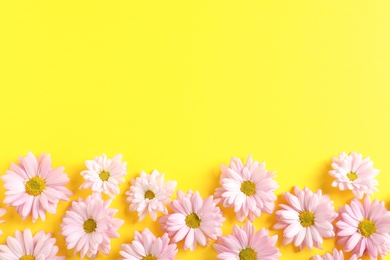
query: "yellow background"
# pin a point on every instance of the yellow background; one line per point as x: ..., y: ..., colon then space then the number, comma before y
x: 181, y: 86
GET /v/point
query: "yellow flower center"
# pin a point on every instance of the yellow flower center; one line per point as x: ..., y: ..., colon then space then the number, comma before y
x: 104, y: 175
x: 27, y: 257
x: 149, y: 257
x: 149, y: 194
x: 352, y: 176
x: 366, y: 227
x: 35, y: 186
x: 247, y: 254
x: 89, y: 225
x: 306, y: 218
x: 248, y: 188
x: 193, y: 220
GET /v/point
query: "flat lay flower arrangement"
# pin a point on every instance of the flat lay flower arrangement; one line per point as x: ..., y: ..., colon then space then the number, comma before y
x: 191, y: 219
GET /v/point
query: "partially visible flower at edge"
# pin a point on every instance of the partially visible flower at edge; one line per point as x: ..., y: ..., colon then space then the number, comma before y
x: 336, y: 255
x: 2, y: 213
x: 149, y: 194
x: 34, y: 187
x: 352, y: 172
x: 25, y: 246
x: 194, y: 220
x: 248, y: 188
x: 146, y: 246
x: 307, y: 218
x: 244, y: 243
x: 364, y: 228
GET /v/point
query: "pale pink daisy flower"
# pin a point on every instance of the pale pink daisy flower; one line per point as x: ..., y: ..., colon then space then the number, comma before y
x: 34, y: 187
x: 352, y: 172
x: 337, y: 255
x: 248, y: 188
x: 147, y: 246
x: 364, y: 229
x: 244, y: 243
x: 149, y: 194
x: 88, y: 226
x: 104, y: 174
x: 307, y: 218
x: 25, y: 246
x: 193, y: 220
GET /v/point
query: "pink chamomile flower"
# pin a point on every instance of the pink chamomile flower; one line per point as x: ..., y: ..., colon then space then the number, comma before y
x: 194, y: 220
x: 353, y: 172
x: 88, y: 226
x: 364, y: 229
x: 34, y: 187
x: 149, y: 194
x: 104, y: 174
x: 307, y: 218
x: 25, y: 246
x: 146, y: 246
x: 244, y: 243
x: 248, y: 188
x: 337, y: 255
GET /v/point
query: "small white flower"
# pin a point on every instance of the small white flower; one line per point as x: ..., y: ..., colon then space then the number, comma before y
x: 104, y: 175
x: 149, y: 194
x: 353, y: 172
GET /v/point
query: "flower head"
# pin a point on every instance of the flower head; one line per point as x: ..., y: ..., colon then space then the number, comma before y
x: 34, y: 187
x: 149, y: 194
x: 352, y: 172
x: 364, y: 229
x: 307, y: 218
x: 88, y: 226
x: 104, y: 175
x: 25, y: 246
x: 248, y: 188
x: 193, y: 219
x: 147, y: 246
x: 337, y: 255
x: 245, y: 244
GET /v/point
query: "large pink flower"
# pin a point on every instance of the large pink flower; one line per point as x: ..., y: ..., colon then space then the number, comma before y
x: 193, y: 219
x: 352, y: 172
x: 147, y: 246
x: 104, y: 174
x: 34, y: 187
x: 248, y: 188
x: 88, y: 226
x: 364, y: 229
x: 307, y: 218
x: 25, y: 246
x: 149, y: 194
x: 244, y: 243
x: 337, y: 255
